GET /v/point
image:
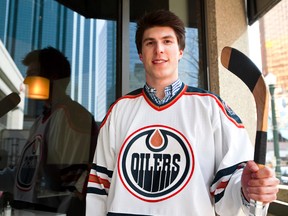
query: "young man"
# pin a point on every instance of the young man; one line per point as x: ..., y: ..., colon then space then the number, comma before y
x: 170, y: 149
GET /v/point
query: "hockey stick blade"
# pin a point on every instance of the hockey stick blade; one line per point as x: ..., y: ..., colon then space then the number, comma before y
x: 240, y: 65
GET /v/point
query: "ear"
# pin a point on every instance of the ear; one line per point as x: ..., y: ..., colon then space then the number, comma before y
x: 140, y: 57
x: 180, y: 54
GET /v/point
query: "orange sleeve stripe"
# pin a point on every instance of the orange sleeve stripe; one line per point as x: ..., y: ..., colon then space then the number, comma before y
x: 99, y: 180
x: 222, y: 185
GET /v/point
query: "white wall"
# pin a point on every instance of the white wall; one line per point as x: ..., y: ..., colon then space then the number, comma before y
x: 10, y: 81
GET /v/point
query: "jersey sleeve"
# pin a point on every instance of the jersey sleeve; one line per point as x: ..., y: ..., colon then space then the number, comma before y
x: 233, y: 149
x: 102, y: 170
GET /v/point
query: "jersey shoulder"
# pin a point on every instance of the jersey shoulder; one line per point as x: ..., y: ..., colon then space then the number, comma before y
x: 219, y: 101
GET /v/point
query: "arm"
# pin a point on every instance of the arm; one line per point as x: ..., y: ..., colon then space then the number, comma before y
x: 255, y: 183
x: 232, y: 150
x: 101, y: 171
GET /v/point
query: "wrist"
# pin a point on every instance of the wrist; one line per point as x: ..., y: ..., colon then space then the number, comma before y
x: 245, y: 201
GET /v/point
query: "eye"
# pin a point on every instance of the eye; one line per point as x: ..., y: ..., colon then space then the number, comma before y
x: 149, y: 43
x: 168, y: 41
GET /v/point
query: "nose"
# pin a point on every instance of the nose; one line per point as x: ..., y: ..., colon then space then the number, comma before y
x: 159, y: 48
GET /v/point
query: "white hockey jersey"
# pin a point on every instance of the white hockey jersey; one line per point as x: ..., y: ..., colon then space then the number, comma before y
x: 178, y: 159
x: 56, y: 156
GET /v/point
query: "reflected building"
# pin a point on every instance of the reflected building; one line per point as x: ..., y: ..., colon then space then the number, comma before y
x: 274, y: 45
x: 89, y: 44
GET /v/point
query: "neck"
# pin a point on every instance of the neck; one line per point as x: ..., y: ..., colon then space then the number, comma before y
x: 160, y: 87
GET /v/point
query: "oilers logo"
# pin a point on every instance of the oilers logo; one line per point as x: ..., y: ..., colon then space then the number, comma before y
x: 29, y: 164
x: 155, y: 163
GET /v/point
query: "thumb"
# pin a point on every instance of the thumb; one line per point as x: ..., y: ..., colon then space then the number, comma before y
x: 251, y: 167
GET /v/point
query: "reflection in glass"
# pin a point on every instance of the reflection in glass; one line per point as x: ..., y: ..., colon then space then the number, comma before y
x: 90, y: 47
x: 37, y: 87
x: 89, y: 44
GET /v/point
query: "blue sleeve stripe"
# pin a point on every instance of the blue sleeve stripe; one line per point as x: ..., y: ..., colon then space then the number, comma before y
x: 103, y: 170
x: 96, y: 191
x: 219, y: 196
x: 228, y: 171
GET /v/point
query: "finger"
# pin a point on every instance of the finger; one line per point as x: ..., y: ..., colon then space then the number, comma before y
x: 250, y: 167
x: 263, y: 194
x: 264, y: 182
x: 263, y: 172
x: 265, y: 198
x: 263, y: 190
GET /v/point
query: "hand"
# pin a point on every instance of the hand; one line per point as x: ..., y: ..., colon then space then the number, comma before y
x: 259, y: 183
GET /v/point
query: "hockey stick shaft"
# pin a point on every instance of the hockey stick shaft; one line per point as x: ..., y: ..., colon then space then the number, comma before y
x: 240, y: 65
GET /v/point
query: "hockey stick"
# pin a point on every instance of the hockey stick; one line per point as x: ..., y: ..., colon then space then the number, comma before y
x: 240, y: 65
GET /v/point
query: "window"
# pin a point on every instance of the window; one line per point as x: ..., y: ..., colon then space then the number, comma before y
x: 274, y: 46
x: 191, y: 66
x: 257, y: 8
x: 88, y: 35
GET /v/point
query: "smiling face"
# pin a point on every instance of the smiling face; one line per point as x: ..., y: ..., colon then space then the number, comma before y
x: 160, y: 55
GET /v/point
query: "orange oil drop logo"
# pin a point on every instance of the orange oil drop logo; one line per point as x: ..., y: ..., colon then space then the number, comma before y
x: 156, y: 139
